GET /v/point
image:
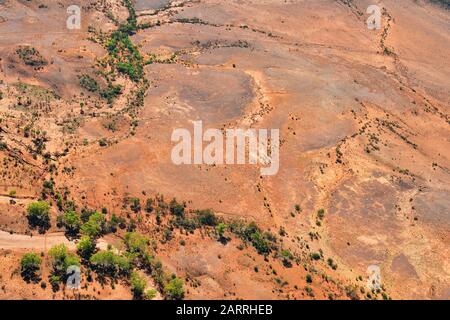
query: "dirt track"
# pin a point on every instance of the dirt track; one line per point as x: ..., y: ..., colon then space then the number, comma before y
x: 44, y: 242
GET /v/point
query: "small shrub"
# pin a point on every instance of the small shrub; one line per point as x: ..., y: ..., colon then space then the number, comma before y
x: 149, y: 205
x: 315, y: 256
x: 321, y: 214
x: 176, y: 208
x: 207, y: 217
x: 135, y: 205
x: 103, y: 142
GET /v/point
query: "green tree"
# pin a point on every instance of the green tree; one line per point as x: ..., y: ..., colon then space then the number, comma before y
x: 174, y: 289
x: 38, y: 215
x: 260, y: 243
x: 71, y: 221
x: 54, y: 281
x: 30, y: 265
x: 107, y: 263
x: 150, y: 294
x: 61, y: 259
x: 95, y: 225
x: 138, y: 285
x: 86, y: 247
x: 136, y: 243
x: 220, y: 229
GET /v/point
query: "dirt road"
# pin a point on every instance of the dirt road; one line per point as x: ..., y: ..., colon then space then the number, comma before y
x: 40, y: 242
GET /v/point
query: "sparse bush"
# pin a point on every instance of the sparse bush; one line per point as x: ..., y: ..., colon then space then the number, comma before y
x: 31, y: 57
x: 149, y: 205
x: 176, y: 208
x: 85, y: 214
x: 115, y: 222
x: 331, y: 263
x: 88, y: 83
x: 264, y: 243
x: 135, y: 205
x: 309, y: 291
x: 207, y: 217
x: 260, y: 243
x: 111, y: 92
x: 287, y: 257
x: 54, y: 281
x: 103, y: 142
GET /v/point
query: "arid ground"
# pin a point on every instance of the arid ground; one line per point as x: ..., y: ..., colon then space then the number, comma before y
x: 86, y: 118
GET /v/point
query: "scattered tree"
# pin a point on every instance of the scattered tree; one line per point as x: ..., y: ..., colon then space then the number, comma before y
x: 30, y: 265
x: 109, y: 264
x: 95, y: 225
x: 150, y: 294
x: 38, y: 215
x: 71, y: 221
x: 86, y: 247
x: 138, y: 285
x: 174, y: 289
x: 61, y: 260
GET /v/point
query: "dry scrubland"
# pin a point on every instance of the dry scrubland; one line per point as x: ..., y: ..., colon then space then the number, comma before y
x: 85, y: 123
